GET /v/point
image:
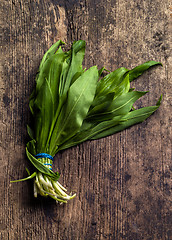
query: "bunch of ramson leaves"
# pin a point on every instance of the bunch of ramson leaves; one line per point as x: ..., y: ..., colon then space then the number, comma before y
x: 71, y: 105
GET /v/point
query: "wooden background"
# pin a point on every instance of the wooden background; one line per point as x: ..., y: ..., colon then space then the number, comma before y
x: 123, y: 181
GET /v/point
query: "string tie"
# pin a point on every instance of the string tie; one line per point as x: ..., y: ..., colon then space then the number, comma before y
x: 45, y: 155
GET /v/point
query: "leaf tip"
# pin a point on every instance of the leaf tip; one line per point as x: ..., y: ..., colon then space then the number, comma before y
x: 159, y: 101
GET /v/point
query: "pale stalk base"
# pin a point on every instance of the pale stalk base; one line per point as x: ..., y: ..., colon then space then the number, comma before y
x: 45, y: 186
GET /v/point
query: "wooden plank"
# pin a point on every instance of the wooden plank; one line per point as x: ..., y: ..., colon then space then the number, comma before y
x: 122, y: 182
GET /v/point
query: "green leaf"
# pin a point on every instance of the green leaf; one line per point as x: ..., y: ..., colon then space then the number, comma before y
x: 59, y: 69
x: 87, y: 134
x: 45, y: 100
x: 130, y: 119
x: 159, y: 101
x: 30, y: 132
x: 123, y: 87
x: 120, y: 106
x: 112, y: 126
x: 101, y: 103
x: 77, y: 46
x: 31, y: 146
x: 80, y: 97
x: 73, y: 66
x: 50, y: 52
x: 139, y: 70
x: 103, y: 69
x: 45, y: 114
x: 41, y: 167
x: 108, y: 83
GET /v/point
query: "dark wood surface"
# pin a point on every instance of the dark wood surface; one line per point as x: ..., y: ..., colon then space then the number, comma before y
x: 123, y: 181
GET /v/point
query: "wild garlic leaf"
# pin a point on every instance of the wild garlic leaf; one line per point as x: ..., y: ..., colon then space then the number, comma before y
x: 93, y: 129
x: 51, y: 51
x: 108, y: 83
x: 101, y: 103
x: 31, y: 146
x: 123, y: 87
x: 130, y: 119
x: 43, y: 73
x: 50, y: 71
x: 71, y: 70
x: 79, y: 99
x: 120, y: 106
x: 45, y: 107
x: 139, y: 70
x: 73, y: 66
x: 30, y: 132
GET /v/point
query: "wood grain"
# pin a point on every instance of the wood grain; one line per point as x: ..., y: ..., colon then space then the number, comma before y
x: 123, y: 182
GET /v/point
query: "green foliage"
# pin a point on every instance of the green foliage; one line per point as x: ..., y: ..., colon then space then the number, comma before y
x: 71, y: 105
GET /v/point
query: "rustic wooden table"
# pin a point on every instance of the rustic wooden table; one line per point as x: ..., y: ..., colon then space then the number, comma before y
x: 122, y: 181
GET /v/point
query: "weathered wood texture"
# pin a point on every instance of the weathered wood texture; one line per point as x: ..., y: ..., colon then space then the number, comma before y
x: 123, y: 181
